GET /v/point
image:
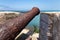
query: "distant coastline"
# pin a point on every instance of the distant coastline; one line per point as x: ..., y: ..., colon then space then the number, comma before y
x: 14, y: 11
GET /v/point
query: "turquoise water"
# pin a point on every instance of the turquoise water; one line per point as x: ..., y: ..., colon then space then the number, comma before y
x: 50, y: 10
x: 35, y: 21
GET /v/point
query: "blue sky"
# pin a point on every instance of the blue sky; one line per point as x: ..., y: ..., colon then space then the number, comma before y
x: 28, y: 4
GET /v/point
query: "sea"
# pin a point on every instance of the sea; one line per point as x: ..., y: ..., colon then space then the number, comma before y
x: 35, y: 21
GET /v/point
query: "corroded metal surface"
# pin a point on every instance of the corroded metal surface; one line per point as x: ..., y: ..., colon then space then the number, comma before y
x: 11, y: 28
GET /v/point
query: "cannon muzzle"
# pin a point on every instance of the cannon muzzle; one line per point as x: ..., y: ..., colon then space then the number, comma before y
x: 11, y: 28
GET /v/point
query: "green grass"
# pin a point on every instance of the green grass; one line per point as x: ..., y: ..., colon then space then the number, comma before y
x: 36, y: 30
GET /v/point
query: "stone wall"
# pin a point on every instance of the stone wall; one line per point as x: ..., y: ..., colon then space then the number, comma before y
x: 50, y: 26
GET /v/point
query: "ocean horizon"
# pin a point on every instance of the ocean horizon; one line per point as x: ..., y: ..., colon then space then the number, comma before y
x: 27, y: 10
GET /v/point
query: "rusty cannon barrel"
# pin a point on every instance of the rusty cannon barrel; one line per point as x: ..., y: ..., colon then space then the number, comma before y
x: 11, y: 28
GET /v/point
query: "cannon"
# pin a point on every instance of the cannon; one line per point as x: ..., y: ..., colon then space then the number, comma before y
x: 12, y: 27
